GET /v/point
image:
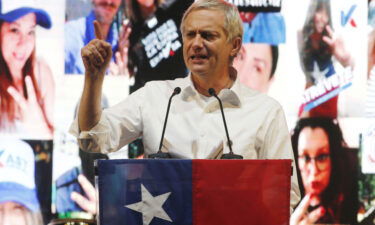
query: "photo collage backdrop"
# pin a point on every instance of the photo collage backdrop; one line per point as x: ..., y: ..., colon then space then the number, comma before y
x: 313, y: 68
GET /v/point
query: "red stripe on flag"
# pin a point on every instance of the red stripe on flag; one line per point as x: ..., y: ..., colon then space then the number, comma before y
x: 241, y: 192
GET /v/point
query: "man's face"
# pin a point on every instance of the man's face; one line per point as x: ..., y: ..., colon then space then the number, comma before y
x: 314, y: 159
x: 105, y: 10
x: 206, y: 49
x: 254, y: 65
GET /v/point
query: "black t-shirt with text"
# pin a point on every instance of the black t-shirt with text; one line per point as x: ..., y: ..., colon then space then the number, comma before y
x: 156, y: 45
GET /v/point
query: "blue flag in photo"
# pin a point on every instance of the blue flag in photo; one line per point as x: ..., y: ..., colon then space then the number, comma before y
x: 194, y: 192
x: 146, y: 190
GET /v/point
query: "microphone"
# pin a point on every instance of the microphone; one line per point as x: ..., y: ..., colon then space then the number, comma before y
x: 160, y: 154
x: 229, y: 155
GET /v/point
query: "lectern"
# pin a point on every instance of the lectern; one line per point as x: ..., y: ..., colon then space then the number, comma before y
x: 193, y: 192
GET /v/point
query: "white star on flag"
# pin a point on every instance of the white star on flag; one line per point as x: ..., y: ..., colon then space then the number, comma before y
x: 318, y: 74
x: 150, y: 206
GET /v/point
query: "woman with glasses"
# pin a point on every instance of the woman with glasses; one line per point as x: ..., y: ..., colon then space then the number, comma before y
x: 320, y: 151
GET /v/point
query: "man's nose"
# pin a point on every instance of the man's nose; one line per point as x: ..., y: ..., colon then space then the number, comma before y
x: 197, y: 42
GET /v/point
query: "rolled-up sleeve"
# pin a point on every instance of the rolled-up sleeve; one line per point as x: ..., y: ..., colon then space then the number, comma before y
x: 118, y: 126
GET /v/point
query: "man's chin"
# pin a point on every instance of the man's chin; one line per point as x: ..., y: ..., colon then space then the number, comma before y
x: 201, y: 73
x: 198, y: 69
x: 104, y: 19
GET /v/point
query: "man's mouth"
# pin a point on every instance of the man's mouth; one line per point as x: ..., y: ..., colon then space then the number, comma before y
x: 198, y: 57
x: 107, y: 5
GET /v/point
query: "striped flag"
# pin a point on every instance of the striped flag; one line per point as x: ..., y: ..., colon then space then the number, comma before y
x: 194, y: 192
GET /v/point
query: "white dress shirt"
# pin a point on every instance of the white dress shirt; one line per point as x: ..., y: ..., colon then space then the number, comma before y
x: 195, y: 129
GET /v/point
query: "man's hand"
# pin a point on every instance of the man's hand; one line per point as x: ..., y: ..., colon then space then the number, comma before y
x: 97, y: 54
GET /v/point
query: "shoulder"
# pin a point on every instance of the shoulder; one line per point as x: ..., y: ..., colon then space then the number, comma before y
x: 74, y: 32
x: 261, y: 106
x: 257, y: 99
x: 76, y: 25
x: 165, y: 84
x: 159, y: 88
x: 43, y: 72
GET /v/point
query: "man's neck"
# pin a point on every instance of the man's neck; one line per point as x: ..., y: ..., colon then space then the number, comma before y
x: 105, y: 28
x: 204, y: 82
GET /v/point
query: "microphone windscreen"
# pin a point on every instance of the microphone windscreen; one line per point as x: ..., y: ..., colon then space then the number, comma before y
x: 211, y: 91
x: 177, y: 90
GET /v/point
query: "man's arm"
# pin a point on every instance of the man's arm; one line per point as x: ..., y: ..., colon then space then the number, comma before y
x: 121, y: 123
x: 96, y: 56
x: 277, y: 145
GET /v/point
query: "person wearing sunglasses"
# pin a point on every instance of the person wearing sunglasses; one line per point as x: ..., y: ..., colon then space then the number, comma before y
x: 320, y: 153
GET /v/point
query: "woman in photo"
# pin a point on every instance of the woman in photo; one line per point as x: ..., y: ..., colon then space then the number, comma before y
x: 319, y: 47
x: 322, y: 162
x: 19, y: 203
x: 26, y: 82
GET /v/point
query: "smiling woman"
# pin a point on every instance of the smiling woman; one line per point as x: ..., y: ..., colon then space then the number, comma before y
x: 26, y: 83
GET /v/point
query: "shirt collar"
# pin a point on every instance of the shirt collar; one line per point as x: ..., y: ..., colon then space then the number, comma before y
x: 230, y: 97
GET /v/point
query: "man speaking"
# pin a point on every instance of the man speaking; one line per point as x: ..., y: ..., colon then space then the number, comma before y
x: 212, y: 37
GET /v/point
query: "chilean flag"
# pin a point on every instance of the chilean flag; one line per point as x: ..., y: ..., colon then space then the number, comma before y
x: 194, y: 192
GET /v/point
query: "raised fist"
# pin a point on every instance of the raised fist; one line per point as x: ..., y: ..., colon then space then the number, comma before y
x: 97, y: 54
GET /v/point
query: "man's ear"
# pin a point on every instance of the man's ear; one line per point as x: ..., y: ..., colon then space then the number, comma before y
x: 236, y: 43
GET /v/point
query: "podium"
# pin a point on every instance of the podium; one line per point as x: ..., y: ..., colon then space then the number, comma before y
x: 193, y: 192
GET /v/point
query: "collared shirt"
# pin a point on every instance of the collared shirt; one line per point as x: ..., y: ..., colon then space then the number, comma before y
x: 195, y: 129
x: 79, y: 33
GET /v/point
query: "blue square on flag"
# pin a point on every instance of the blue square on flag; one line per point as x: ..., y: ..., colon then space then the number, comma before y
x: 194, y: 192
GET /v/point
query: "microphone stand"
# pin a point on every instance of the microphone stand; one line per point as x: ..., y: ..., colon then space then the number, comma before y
x: 229, y: 155
x: 160, y: 154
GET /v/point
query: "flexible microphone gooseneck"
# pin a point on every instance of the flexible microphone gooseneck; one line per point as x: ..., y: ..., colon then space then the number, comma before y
x: 160, y: 154
x: 229, y: 155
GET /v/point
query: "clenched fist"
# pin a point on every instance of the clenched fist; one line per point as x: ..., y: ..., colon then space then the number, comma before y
x: 97, y: 54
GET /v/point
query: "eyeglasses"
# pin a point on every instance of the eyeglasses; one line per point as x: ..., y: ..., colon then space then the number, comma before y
x: 321, y: 161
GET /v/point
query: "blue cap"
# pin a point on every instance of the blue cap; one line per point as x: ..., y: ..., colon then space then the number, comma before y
x: 12, y: 10
x: 17, y: 176
x: 13, y: 192
x: 266, y: 27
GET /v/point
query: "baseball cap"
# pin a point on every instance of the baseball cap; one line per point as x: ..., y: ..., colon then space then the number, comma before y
x: 17, y: 182
x: 266, y: 27
x: 12, y: 10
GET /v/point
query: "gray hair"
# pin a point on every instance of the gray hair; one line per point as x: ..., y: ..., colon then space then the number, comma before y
x: 232, y: 22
